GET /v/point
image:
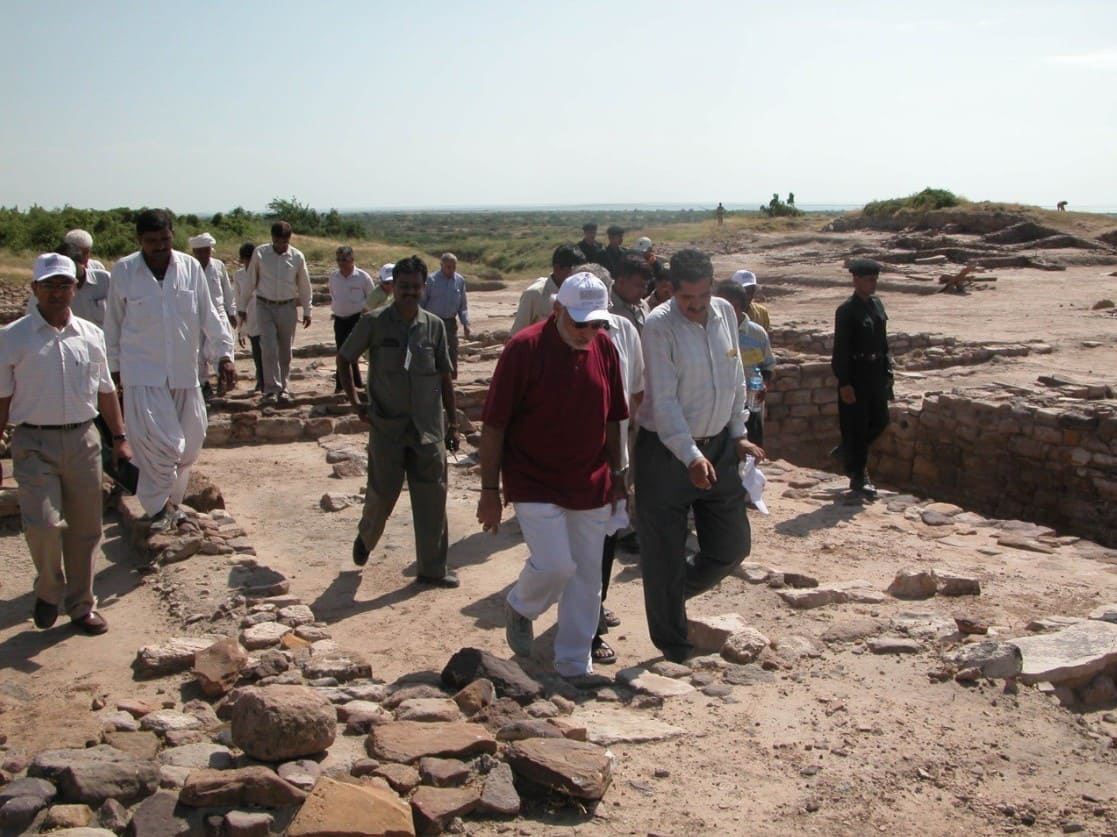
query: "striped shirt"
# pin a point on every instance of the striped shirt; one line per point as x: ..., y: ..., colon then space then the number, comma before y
x: 694, y: 385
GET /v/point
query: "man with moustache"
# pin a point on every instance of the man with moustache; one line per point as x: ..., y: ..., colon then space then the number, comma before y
x: 54, y: 380
x: 691, y: 439
x: 413, y: 418
x: 551, y: 429
x: 158, y: 312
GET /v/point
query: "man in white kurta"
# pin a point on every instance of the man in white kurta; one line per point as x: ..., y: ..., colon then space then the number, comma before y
x: 159, y: 309
x: 220, y: 291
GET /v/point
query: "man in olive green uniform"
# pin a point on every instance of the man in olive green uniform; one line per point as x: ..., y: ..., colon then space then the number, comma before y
x: 410, y: 389
x: 863, y: 368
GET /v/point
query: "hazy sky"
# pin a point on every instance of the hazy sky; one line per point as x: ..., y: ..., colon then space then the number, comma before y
x: 207, y: 105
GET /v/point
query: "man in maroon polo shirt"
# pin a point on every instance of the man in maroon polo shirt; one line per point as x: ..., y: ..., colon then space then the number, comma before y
x: 551, y: 428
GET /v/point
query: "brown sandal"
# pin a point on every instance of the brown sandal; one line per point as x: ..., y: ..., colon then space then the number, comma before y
x: 601, y: 652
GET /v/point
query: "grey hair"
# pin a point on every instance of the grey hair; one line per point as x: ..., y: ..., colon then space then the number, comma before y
x: 343, y: 250
x: 79, y: 238
x: 448, y: 255
x: 600, y: 271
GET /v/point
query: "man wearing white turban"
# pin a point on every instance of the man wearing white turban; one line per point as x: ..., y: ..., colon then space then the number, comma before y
x: 220, y: 291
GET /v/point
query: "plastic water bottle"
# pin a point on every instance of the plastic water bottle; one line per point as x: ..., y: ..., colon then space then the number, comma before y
x: 755, y: 387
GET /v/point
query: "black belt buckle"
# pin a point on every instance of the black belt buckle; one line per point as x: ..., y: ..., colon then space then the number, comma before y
x: 72, y: 426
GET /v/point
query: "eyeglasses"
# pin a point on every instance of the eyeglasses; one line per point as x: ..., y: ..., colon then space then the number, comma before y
x: 596, y: 325
x: 57, y: 286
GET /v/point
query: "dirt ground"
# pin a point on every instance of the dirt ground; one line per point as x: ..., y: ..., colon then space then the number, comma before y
x: 844, y: 742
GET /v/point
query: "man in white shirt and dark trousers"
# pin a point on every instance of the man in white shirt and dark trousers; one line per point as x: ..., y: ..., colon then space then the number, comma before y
x: 691, y: 439
x: 280, y: 279
x: 349, y: 288
x: 159, y: 309
x: 54, y: 379
x: 444, y: 296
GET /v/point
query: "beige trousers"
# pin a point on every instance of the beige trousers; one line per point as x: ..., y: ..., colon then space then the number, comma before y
x: 59, y: 476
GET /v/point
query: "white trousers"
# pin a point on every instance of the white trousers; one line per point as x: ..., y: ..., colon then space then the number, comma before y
x: 565, y: 567
x: 166, y: 428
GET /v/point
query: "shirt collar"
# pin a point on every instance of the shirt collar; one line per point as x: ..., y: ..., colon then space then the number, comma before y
x: 40, y: 323
x: 713, y: 315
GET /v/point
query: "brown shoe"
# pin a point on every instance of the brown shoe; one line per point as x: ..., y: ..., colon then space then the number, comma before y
x: 92, y: 623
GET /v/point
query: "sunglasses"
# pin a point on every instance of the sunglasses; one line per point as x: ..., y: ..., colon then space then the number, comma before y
x: 596, y: 325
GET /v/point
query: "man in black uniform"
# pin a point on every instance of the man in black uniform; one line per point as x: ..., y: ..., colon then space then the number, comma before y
x: 614, y: 251
x: 864, y: 370
x: 593, y: 251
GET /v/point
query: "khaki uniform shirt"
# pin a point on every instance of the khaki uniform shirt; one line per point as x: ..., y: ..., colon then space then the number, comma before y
x: 406, y: 365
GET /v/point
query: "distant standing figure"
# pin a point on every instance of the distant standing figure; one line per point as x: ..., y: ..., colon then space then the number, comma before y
x: 349, y: 288
x: 791, y: 199
x: 280, y: 279
x: 412, y: 413
x: 591, y: 249
x: 54, y: 379
x: 444, y: 296
x: 614, y: 250
x: 720, y: 213
x: 863, y: 367
x: 246, y: 311
x: 1061, y: 206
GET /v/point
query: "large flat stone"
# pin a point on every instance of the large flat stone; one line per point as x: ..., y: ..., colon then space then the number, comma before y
x: 708, y: 633
x: 1071, y: 656
x: 613, y: 726
x: 172, y: 656
x: 844, y: 592
x: 571, y: 767
x: 256, y: 785
x: 507, y: 677
x: 94, y: 774
x: 340, y: 809
x: 409, y: 741
x: 435, y: 807
x: 642, y: 680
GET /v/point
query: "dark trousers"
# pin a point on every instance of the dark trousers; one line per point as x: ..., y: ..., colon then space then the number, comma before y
x: 389, y: 461
x: 342, y: 327
x: 608, y: 554
x: 755, y: 426
x: 724, y: 538
x: 862, y: 422
x: 451, y: 324
x: 257, y: 361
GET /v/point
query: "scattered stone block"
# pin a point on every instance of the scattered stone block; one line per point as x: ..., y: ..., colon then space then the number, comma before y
x: 332, y: 661
x: 744, y: 646
x: 955, y: 584
x: 162, y: 721
x: 141, y: 745
x: 113, y: 816
x: 443, y: 773
x: 992, y: 658
x: 923, y: 624
x: 836, y: 593
x: 402, y: 778
x: 611, y: 726
x: 28, y: 786
x: 435, y: 807
x: 797, y: 645
x: 334, y: 501
x: 507, y: 677
x: 279, y: 723
x: 499, y: 795
x: 409, y: 741
x: 709, y: 633
x: 911, y: 583
x: 302, y: 773
x: 197, y: 756
x: 158, y: 816
x: 94, y: 774
x: 428, y: 709
x: 67, y: 816
x: 577, y: 769
x: 218, y: 667
x: 894, y: 645
x: 248, y: 824
x: 1024, y: 543
x: 170, y: 657
x: 476, y: 696
x: 19, y: 812
x: 263, y: 635
x: 1105, y: 613
x: 295, y: 615
x: 644, y: 681
x: 341, y: 808
x: 252, y: 786
x: 1071, y: 656
x: 528, y: 728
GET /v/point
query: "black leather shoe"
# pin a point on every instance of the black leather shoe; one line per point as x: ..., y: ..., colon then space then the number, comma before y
x: 360, y: 552
x: 449, y: 580
x: 46, y: 614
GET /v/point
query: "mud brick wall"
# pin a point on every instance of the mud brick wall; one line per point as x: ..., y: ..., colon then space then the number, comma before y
x: 1043, y: 461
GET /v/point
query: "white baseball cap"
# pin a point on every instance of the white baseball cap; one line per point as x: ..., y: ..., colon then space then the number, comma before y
x: 54, y: 264
x: 643, y: 244
x: 386, y: 272
x: 744, y: 278
x: 197, y: 242
x: 584, y: 297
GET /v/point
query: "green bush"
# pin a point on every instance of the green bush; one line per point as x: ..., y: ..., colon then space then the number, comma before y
x: 924, y: 201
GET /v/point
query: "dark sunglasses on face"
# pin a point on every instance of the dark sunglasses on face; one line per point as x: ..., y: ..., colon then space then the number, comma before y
x: 596, y: 325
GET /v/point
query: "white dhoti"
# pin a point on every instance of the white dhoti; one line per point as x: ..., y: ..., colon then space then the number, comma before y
x: 166, y: 428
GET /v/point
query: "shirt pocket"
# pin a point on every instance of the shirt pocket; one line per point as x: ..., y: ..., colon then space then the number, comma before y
x: 86, y: 379
x: 185, y: 303
x: 422, y: 359
x: 356, y: 295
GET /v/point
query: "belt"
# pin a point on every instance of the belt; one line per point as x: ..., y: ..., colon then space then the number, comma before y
x: 72, y: 426
x: 870, y: 356
x: 267, y: 301
x: 705, y: 440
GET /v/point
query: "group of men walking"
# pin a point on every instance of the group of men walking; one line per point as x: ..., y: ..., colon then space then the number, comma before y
x: 600, y: 398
